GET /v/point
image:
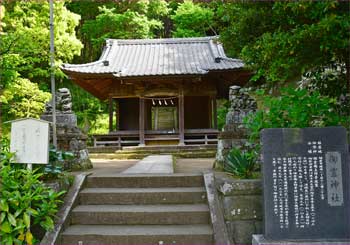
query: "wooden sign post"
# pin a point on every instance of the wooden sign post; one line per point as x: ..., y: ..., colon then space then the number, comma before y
x: 30, y: 141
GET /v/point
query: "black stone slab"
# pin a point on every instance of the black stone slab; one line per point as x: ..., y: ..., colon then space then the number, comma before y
x: 306, y: 183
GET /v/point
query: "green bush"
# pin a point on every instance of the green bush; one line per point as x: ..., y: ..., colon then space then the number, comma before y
x: 292, y: 109
x: 25, y: 201
x: 241, y: 164
x: 222, y: 109
x: 57, y: 161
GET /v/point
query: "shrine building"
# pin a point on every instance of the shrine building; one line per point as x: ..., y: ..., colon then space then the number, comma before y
x: 160, y: 91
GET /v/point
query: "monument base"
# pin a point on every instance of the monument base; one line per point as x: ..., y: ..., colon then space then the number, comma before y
x: 259, y: 239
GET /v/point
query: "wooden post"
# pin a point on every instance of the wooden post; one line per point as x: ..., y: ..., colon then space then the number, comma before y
x: 110, y: 114
x: 215, y: 114
x: 142, y: 122
x: 210, y: 112
x: 117, y: 115
x: 181, y: 118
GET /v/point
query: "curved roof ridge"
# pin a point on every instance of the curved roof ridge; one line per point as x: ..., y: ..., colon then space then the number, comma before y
x: 169, y: 56
x: 163, y: 40
x: 105, y: 52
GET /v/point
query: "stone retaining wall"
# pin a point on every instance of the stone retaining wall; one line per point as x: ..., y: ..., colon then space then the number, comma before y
x: 241, y: 201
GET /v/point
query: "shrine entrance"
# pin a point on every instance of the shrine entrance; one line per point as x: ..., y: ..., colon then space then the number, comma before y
x: 160, y: 91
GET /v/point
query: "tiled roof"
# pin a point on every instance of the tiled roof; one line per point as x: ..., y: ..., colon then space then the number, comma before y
x: 147, y: 57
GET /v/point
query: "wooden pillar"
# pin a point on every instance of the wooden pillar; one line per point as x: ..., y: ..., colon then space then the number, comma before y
x: 215, y: 113
x: 110, y: 106
x: 181, y: 106
x: 142, y: 121
x: 117, y: 115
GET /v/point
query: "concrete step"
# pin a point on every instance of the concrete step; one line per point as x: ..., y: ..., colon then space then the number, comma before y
x: 145, y: 180
x: 138, y: 234
x: 170, y: 195
x: 141, y: 214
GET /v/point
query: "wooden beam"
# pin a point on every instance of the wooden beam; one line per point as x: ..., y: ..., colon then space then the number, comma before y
x: 181, y: 107
x: 142, y: 121
x: 110, y: 113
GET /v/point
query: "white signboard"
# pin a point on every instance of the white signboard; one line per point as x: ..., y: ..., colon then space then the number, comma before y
x: 30, y: 141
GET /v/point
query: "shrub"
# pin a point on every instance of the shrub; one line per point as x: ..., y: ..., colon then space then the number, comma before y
x: 241, y: 164
x: 293, y: 109
x: 57, y: 161
x: 25, y: 201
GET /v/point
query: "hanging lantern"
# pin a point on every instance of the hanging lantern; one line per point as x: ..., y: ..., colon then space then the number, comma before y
x: 160, y: 102
x: 165, y: 102
x: 153, y: 103
x: 171, y: 101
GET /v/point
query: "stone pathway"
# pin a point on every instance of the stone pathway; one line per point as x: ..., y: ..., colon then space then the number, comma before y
x: 154, y: 164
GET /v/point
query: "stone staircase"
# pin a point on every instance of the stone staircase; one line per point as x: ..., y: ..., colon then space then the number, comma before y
x: 141, y: 209
x: 187, y: 151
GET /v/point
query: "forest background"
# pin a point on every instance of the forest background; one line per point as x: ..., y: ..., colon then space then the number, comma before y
x: 304, y: 44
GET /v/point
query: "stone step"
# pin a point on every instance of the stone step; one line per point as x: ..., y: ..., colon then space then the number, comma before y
x: 145, y: 180
x: 138, y: 234
x: 141, y: 214
x: 157, y: 149
x: 104, y: 154
x: 170, y: 195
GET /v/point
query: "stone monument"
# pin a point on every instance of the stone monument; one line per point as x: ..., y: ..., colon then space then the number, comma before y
x: 234, y: 134
x: 306, y: 184
x: 69, y: 136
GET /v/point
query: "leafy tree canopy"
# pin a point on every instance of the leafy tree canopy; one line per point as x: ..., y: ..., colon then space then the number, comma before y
x: 192, y: 20
x: 24, y: 54
x: 23, y: 99
x: 109, y: 24
x: 282, y: 40
x: 26, y: 37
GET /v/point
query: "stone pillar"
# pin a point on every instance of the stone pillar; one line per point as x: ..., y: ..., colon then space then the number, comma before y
x: 142, y: 121
x: 69, y: 136
x: 234, y: 134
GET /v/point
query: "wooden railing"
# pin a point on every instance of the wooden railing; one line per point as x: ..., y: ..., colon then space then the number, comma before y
x: 131, y: 137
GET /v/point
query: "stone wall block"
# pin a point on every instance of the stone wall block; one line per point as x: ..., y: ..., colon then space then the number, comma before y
x: 228, y: 186
x: 244, y: 207
x: 241, y: 231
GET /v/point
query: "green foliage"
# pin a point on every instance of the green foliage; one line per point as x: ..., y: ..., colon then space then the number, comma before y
x: 23, y: 99
x: 241, y: 164
x: 26, y: 35
x: 111, y: 24
x: 283, y: 39
x: 55, y: 168
x: 292, y: 109
x: 192, y: 20
x: 222, y: 109
x: 101, y: 125
x: 329, y: 81
x: 25, y: 201
x: 24, y: 54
